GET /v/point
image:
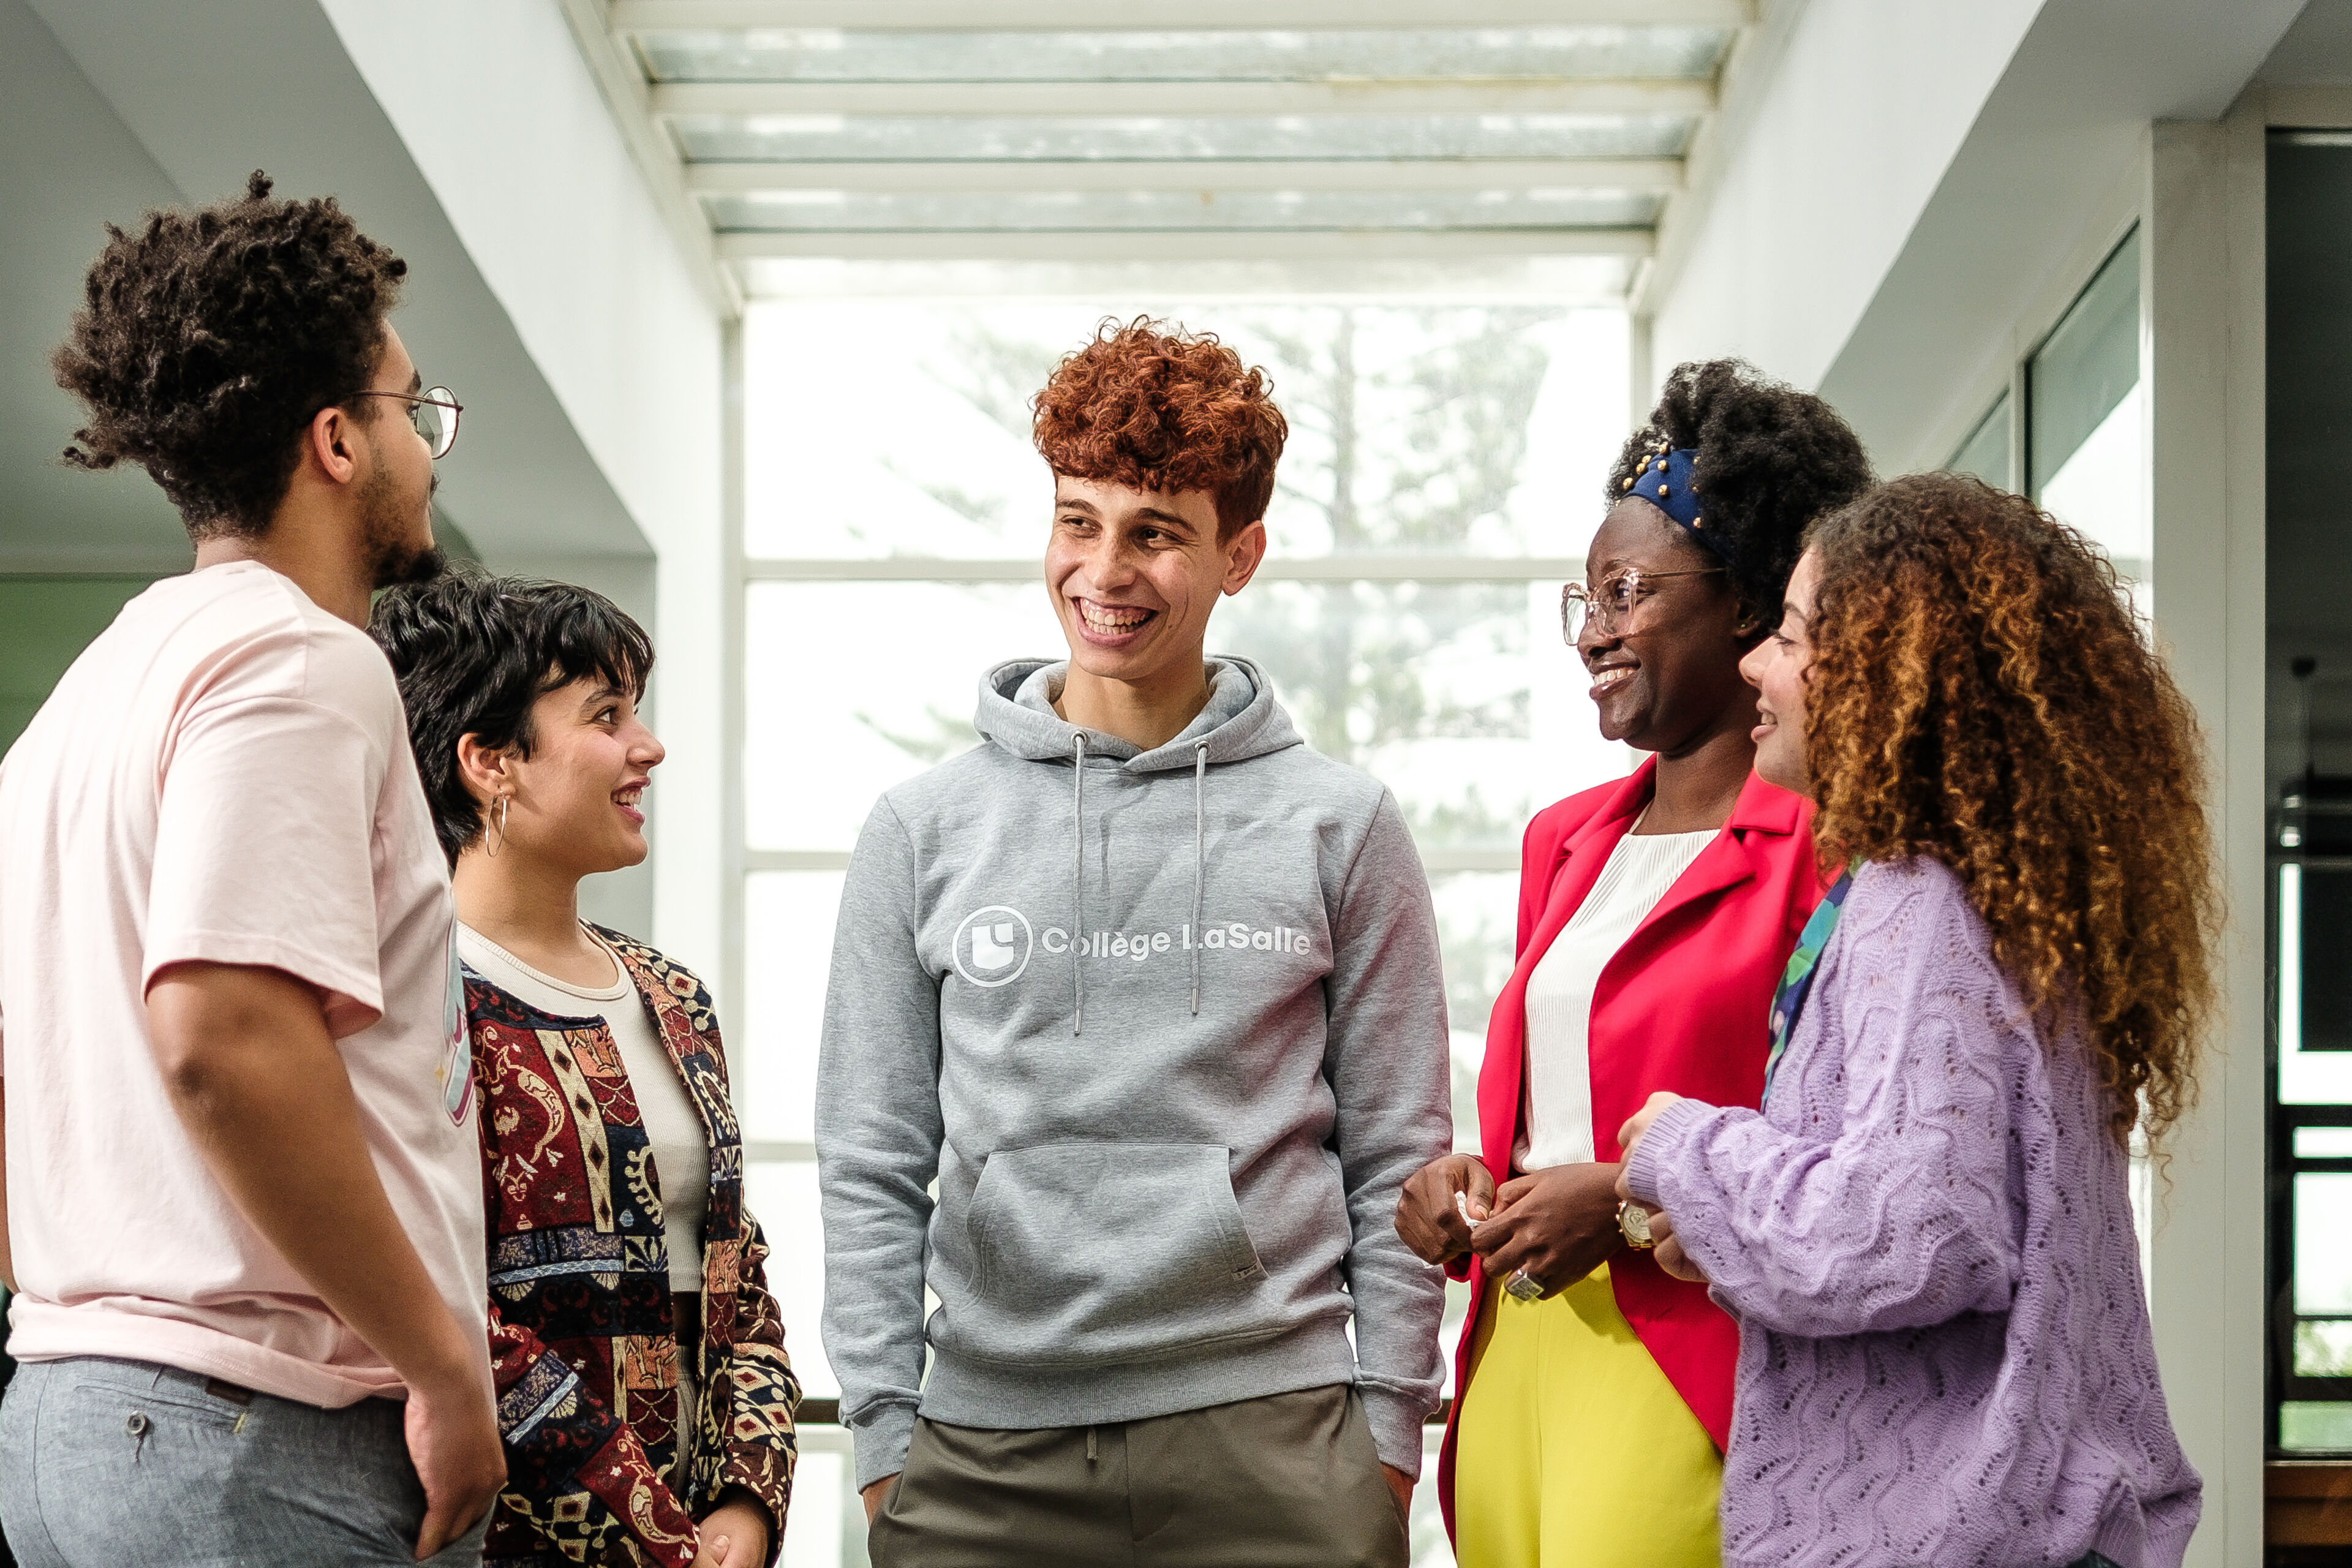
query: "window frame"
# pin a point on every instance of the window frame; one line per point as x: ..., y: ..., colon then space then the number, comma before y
x: 820, y: 1428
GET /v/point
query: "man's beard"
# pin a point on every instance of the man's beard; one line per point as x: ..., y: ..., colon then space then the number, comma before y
x: 392, y: 558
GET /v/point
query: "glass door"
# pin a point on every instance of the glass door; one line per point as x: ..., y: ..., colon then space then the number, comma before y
x: 2309, y: 752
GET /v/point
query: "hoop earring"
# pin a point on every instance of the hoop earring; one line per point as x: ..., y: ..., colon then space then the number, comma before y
x: 492, y: 848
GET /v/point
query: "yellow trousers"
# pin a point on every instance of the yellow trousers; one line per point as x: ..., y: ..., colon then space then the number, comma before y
x: 1574, y: 1451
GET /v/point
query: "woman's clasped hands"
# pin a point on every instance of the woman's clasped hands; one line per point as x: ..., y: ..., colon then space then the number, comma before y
x: 1554, y: 1226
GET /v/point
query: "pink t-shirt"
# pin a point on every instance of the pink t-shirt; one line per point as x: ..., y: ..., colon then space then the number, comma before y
x: 223, y: 775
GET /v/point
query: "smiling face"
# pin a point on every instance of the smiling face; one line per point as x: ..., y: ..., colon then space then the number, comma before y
x: 1779, y: 670
x: 1135, y: 573
x: 1669, y: 678
x: 579, y: 798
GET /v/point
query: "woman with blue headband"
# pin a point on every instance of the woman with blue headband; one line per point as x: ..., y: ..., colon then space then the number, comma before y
x: 1655, y: 916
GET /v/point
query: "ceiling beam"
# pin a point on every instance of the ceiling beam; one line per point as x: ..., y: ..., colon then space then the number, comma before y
x: 1181, y: 100
x: 1185, y: 176
x: 1165, y: 16
x: 1203, y: 246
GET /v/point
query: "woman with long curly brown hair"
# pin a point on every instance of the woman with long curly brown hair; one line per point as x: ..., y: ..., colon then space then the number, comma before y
x: 1927, y: 1232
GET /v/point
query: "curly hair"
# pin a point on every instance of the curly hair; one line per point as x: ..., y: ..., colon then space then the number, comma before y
x: 1163, y: 409
x: 207, y: 340
x: 473, y: 653
x: 1981, y: 696
x: 1771, y: 460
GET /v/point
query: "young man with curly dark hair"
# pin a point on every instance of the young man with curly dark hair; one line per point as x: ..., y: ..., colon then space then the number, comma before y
x: 246, y: 1234
x: 1150, y: 992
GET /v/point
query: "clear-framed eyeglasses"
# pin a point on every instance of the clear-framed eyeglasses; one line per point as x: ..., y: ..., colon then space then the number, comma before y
x: 433, y: 413
x: 1617, y: 605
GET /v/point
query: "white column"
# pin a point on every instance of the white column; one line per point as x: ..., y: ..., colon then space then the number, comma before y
x: 2202, y: 254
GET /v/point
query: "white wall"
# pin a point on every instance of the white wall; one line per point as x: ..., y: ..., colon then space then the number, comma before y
x: 1826, y: 165
x: 1896, y: 182
x: 2201, y: 259
x: 507, y: 125
x: 67, y: 166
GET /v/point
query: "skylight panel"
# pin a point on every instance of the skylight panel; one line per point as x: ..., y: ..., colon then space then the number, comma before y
x: 835, y: 56
x: 833, y: 138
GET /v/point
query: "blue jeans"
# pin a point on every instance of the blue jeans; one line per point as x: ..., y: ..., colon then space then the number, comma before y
x: 105, y: 1463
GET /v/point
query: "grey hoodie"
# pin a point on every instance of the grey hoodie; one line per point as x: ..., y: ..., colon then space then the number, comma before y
x: 1166, y: 1164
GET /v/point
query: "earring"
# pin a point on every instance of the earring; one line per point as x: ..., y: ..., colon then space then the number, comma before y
x: 493, y: 847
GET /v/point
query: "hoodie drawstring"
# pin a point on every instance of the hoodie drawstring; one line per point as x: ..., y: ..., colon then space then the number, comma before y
x: 1200, y: 838
x: 1078, y: 886
x: 1078, y: 871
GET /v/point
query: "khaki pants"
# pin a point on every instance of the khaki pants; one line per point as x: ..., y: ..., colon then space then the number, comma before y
x: 1289, y: 1479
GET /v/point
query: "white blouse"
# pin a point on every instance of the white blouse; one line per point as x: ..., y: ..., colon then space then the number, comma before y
x: 1559, y: 1075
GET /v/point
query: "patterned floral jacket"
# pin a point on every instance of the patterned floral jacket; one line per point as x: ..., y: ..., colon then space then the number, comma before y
x: 582, y: 1339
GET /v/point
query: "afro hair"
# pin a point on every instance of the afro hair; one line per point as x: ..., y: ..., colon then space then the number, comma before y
x: 1157, y: 408
x: 207, y: 340
x: 1771, y: 460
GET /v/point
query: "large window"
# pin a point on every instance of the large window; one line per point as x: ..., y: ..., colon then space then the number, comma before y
x: 2070, y: 432
x: 2080, y: 451
x: 1445, y: 472
x: 2086, y: 443
x: 1988, y: 453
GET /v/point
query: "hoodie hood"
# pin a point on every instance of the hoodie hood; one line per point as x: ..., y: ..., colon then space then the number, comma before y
x: 1241, y: 720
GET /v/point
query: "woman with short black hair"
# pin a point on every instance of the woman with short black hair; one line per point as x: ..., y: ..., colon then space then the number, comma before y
x: 644, y: 1392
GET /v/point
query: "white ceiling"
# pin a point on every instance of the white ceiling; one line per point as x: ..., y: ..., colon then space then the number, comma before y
x: 1535, y: 139
x: 111, y: 107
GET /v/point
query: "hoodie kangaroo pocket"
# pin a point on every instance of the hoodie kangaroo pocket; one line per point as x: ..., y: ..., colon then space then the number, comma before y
x: 1097, y: 1252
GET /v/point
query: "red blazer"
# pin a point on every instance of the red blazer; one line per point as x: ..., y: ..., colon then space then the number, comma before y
x: 1683, y: 1006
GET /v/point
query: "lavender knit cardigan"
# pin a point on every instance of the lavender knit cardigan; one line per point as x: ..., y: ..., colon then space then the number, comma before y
x: 1926, y: 1239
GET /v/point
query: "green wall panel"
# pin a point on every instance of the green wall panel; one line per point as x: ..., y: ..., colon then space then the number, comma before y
x: 45, y: 623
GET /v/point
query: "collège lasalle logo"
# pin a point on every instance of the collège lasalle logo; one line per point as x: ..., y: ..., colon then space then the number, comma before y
x: 993, y: 945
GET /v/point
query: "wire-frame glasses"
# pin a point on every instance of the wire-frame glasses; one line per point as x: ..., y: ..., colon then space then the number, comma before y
x: 1614, y: 606
x: 434, y: 413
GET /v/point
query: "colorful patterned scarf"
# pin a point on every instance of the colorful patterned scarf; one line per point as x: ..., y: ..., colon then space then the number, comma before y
x: 1797, y: 980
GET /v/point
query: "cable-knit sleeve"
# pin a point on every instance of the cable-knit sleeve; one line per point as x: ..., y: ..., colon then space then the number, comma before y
x: 1878, y: 1192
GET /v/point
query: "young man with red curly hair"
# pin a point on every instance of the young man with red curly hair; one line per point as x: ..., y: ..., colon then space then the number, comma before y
x: 1147, y: 994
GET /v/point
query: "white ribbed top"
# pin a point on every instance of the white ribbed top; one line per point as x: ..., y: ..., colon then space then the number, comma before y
x: 1559, y: 992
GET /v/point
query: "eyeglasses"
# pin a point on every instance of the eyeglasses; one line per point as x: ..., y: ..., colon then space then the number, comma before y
x: 1615, y: 606
x: 434, y: 413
